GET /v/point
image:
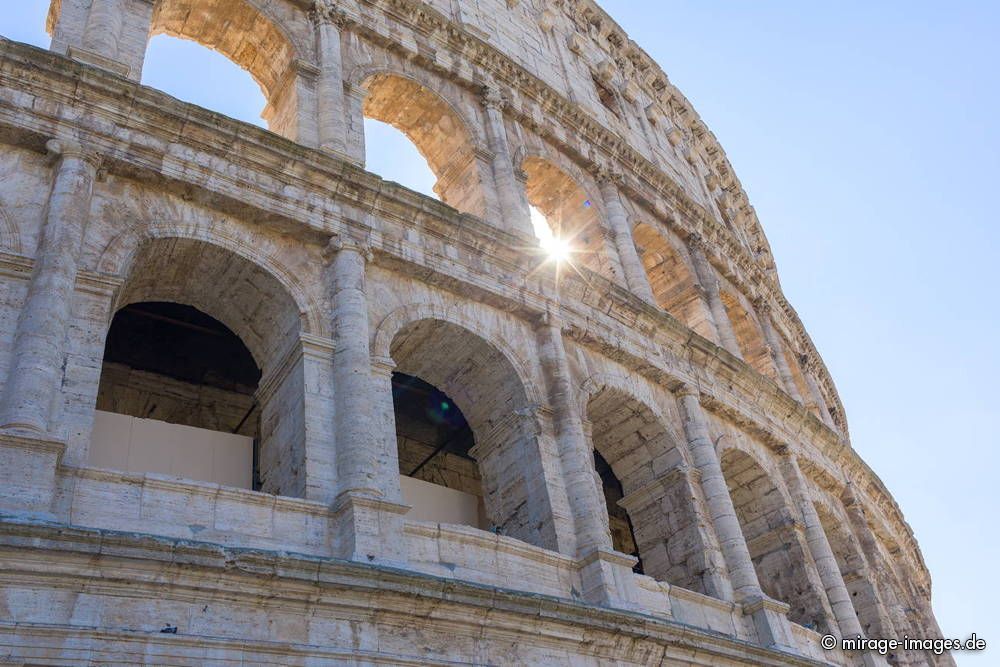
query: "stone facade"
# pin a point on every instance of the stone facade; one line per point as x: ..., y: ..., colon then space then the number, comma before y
x: 669, y: 350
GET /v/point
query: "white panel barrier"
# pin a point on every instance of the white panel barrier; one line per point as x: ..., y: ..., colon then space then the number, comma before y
x: 439, y: 504
x: 131, y: 444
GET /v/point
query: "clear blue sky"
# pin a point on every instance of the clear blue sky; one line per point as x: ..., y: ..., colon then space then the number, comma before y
x: 866, y: 135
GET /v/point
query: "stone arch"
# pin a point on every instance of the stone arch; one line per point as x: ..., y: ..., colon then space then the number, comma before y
x: 653, y: 490
x: 439, y: 130
x: 672, y: 280
x: 854, y: 570
x: 392, y: 323
x: 749, y: 337
x: 571, y: 213
x: 119, y: 255
x: 259, y: 37
x: 778, y: 550
x: 487, y: 388
x: 253, y: 304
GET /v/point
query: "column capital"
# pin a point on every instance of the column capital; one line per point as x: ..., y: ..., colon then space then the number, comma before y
x: 340, y: 242
x: 762, y: 306
x: 808, y: 363
x: 607, y: 177
x: 324, y: 12
x: 62, y: 148
x: 492, y: 98
x: 688, y: 389
x: 695, y: 241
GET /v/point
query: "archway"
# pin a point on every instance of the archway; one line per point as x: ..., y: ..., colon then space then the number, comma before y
x: 854, y: 570
x: 458, y: 366
x: 233, y: 91
x: 749, y: 337
x: 671, y: 280
x: 168, y: 365
x: 784, y: 568
x: 251, y: 40
x: 570, y: 214
x: 657, y: 499
x: 438, y: 132
x: 193, y: 320
x: 434, y: 442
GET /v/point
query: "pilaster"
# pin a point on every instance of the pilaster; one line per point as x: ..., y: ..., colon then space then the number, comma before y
x: 709, y: 283
x: 621, y: 232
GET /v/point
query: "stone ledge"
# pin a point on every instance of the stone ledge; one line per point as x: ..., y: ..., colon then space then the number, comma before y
x: 284, y: 578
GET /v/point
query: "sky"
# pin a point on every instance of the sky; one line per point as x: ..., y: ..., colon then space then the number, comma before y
x: 866, y: 136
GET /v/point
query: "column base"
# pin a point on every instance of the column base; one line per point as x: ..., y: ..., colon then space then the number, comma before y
x: 608, y: 580
x: 770, y: 618
x: 90, y: 58
x: 369, y: 530
x: 28, y: 465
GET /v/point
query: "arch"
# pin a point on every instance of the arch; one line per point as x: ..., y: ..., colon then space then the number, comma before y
x: 749, y: 337
x: 251, y: 35
x: 487, y: 389
x: 671, y: 279
x: 784, y: 567
x: 255, y: 306
x: 854, y: 570
x: 439, y: 131
x: 658, y: 499
x: 237, y: 292
x: 176, y: 396
x: 571, y: 213
x: 392, y: 323
x: 120, y: 254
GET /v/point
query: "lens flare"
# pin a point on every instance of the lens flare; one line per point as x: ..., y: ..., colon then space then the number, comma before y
x: 557, y: 249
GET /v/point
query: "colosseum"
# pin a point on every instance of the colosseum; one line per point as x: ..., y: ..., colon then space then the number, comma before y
x: 263, y: 407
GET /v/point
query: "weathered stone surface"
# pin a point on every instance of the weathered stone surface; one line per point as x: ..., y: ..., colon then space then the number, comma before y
x: 668, y: 349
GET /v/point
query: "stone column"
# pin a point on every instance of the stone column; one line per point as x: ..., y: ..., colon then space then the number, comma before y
x: 511, y: 195
x: 104, y: 26
x: 39, y: 343
x: 710, y: 285
x: 777, y: 347
x: 866, y: 538
x: 621, y: 231
x: 330, y: 104
x: 368, y: 516
x: 31, y: 445
x: 575, y: 451
x: 823, y: 556
x: 770, y: 616
x: 606, y: 574
x: 809, y: 370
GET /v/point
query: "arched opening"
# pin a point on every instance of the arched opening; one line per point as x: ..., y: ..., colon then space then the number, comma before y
x: 177, y: 397
x: 672, y: 281
x: 570, y: 216
x: 854, y: 570
x: 490, y: 431
x: 439, y: 477
x: 783, y: 567
x: 200, y: 349
x: 619, y: 523
x: 749, y: 337
x: 390, y: 154
x: 242, y: 34
x: 220, y: 85
x: 651, y: 501
x: 438, y: 133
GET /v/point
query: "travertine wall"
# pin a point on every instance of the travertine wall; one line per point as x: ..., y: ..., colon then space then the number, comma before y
x: 669, y: 348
